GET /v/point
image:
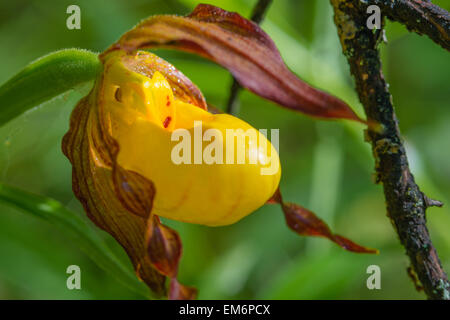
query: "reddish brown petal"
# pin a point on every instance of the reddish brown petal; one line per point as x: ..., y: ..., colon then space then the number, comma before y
x: 243, y: 48
x: 349, y: 245
x: 305, y: 223
x: 164, y: 247
x: 134, y: 191
x: 276, y: 198
x: 178, y: 291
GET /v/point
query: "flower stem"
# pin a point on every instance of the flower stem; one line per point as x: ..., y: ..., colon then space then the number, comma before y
x: 45, y: 78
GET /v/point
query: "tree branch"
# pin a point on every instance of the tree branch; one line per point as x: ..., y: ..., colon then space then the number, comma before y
x: 406, y: 204
x: 257, y: 16
x: 422, y: 17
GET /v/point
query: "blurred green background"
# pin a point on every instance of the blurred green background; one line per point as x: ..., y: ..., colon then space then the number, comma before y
x: 327, y: 166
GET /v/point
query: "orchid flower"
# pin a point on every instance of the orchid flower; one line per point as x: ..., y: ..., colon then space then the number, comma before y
x: 121, y: 140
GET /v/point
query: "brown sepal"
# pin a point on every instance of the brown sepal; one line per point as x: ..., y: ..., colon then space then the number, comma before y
x: 135, y: 192
x: 240, y: 46
x: 164, y: 247
x: 305, y: 223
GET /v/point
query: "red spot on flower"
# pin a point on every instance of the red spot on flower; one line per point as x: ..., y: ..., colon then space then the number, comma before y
x: 167, y: 121
x: 168, y: 103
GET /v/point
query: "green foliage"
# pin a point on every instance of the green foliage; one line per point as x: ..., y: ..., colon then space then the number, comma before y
x: 76, y: 229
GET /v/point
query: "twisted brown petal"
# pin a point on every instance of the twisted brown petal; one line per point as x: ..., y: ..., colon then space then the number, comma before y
x: 305, y: 223
x: 93, y: 186
x: 243, y: 48
x: 135, y: 192
x: 164, y: 247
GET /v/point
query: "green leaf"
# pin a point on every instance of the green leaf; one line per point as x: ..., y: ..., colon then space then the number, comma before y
x: 72, y: 225
x: 46, y: 78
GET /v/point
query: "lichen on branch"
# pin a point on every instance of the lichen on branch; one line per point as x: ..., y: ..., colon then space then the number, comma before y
x: 406, y: 204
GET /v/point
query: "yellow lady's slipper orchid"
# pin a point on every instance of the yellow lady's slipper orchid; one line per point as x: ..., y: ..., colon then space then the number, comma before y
x: 125, y: 153
x: 142, y: 144
x: 144, y: 116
